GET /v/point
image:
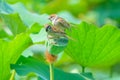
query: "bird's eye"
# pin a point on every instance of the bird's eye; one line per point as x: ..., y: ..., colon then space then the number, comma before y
x: 48, y: 28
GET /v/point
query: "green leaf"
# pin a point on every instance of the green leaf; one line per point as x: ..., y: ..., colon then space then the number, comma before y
x: 3, y: 34
x: 11, y: 19
x: 18, y: 45
x: 29, y: 18
x: 40, y: 37
x: 42, y: 70
x: 62, y: 59
x: 58, y: 47
x: 94, y: 46
x: 88, y: 75
x: 11, y: 51
x: 14, y: 23
x: 5, y: 8
x: 35, y: 28
x: 19, y: 19
x: 4, y: 68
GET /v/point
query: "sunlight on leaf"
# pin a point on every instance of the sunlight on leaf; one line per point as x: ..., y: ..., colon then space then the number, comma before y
x: 14, y: 22
x: 94, y: 46
x: 4, y: 68
x: 11, y: 51
x: 41, y: 36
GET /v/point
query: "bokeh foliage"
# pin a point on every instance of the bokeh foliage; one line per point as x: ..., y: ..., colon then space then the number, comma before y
x: 22, y: 27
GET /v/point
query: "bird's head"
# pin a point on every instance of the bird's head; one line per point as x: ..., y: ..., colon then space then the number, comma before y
x: 47, y: 27
x: 52, y: 17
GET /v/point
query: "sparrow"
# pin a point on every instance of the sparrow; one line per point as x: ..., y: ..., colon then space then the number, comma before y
x: 53, y: 32
x: 59, y: 22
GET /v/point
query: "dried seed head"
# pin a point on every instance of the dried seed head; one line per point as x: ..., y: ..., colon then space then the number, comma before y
x: 50, y: 58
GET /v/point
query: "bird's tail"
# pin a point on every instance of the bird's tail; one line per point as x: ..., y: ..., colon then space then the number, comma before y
x: 70, y: 38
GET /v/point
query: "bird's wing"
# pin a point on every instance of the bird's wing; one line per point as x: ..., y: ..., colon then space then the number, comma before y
x: 63, y: 23
x: 56, y: 30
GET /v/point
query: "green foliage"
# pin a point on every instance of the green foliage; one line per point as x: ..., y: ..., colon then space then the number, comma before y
x: 14, y: 22
x: 3, y: 34
x: 109, y: 9
x: 5, y: 8
x: 11, y: 49
x: 91, y: 46
x: 3, y: 68
x: 29, y: 18
x: 94, y: 46
x: 10, y: 52
x: 57, y: 46
x: 35, y: 28
x: 42, y: 70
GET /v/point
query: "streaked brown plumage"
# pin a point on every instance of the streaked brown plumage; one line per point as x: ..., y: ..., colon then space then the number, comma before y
x: 53, y: 32
x: 59, y: 22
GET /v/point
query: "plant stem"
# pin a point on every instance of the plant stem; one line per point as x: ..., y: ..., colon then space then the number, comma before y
x: 51, y: 71
x: 83, y: 69
x: 111, y: 72
x: 12, y: 75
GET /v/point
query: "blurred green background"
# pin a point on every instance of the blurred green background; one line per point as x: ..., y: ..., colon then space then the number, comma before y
x: 98, y: 12
x: 94, y: 11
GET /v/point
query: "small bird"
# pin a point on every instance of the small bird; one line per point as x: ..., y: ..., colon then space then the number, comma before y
x: 54, y: 33
x: 59, y: 22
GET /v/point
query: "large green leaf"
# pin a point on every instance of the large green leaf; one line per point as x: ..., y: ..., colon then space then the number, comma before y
x: 27, y: 65
x: 14, y: 22
x: 10, y: 52
x: 11, y: 19
x: 18, y: 19
x: 40, y: 37
x: 5, y: 8
x: 4, y: 69
x: 35, y: 28
x: 29, y: 18
x: 94, y: 46
x: 3, y: 33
